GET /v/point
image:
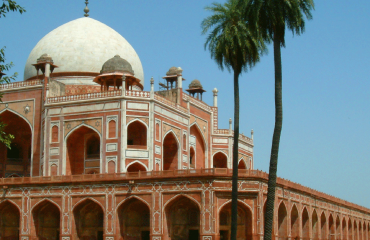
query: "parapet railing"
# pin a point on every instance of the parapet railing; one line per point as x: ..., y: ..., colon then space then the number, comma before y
x: 170, y: 103
x: 133, y: 175
x: 84, y: 96
x: 20, y: 84
x: 227, y: 132
x: 221, y: 131
x: 141, y: 94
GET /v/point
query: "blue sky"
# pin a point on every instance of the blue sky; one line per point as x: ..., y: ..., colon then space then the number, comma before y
x: 325, y: 141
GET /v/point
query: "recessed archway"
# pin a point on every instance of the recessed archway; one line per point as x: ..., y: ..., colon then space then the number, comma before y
x: 344, y: 229
x: 331, y: 227
x: 282, y: 221
x: 337, y: 228
x: 136, y: 135
x: 315, y: 225
x: 294, y: 220
x: 16, y: 161
x: 220, y: 160
x: 244, y: 222
x: 324, y: 233
x: 9, y: 221
x: 46, y: 219
x: 200, y: 147
x: 83, y: 151
x: 170, y: 152
x: 182, y: 218
x: 305, y: 224
x: 242, y: 164
x: 134, y: 220
x: 350, y: 234
x: 89, y: 220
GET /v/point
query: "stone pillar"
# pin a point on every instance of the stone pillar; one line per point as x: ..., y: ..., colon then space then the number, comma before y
x: 123, y: 85
x: 215, y: 91
x: 179, y: 77
x: 230, y: 126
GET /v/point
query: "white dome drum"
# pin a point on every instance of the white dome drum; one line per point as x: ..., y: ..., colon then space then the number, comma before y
x: 83, y: 46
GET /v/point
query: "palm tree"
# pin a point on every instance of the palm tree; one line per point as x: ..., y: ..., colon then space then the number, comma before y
x: 271, y: 18
x: 232, y: 45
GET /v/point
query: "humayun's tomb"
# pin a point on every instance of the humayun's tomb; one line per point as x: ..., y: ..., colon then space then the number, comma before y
x: 97, y: 157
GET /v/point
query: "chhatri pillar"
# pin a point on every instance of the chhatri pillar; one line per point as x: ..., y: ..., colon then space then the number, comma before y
x: 116, y: 73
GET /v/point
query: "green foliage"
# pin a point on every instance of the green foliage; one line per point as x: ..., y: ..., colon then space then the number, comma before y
x: 230, y: 40
x: 273, y: 17
x: 10, y: 5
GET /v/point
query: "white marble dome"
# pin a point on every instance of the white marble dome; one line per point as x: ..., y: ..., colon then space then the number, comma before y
x: 83, y: 45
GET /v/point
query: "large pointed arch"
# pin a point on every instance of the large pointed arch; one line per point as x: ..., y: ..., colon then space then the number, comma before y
x: 75, y: 159
x: 46, y: 216
x: 182, y: 218
x: 244, y: 220
x: 171, y: 150
x: 9, y: 220
x: 19, y: 157
x: 133, y: 218
x: 88, y: 217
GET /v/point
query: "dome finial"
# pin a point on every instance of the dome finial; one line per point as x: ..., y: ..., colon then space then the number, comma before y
x: 86, y: 10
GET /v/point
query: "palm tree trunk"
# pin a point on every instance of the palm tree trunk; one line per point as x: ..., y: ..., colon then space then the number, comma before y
x: 234, y: 191
x: 269, y: 215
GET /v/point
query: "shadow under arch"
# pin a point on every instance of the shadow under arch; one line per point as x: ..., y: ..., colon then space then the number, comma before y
x: 244, y: 221
x: 83, y: 147
x: 182, y: 218
x: 324, y: 233
x: 242, y: 164
x: 137, y: 132
x: 20, y: 154
x: 9, y: 220
x: 88, y: 219
x: 134, y: 218
x: 46, y: 219
x: 294, y: 222
x: 136, y: 166
x: 219, y: 160
x: 170, y: 151
x: 282, y: 221
x: 305, y: 223
x: 200, y: 146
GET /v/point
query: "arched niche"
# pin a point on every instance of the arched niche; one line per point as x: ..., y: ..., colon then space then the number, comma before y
x: 294, y: 222
x: 220, y: 160
x: 16, y: 161
x: 9, y: 221
x: 170, y: 152
x: 331, y: 227
x: 350, y: 229
x: 305, y: 224
x: 136, y: 135
x: 134, y: 219
x: 244, y: 222
x: 200, y: 147
x: 282, y: 221
x: 344, y: 229
x: 242, y: 164
x: 192, y: 157
x: 46, y: 220
x: 315, y: 225
x: 83, y: 151
x: 324, y: 233
x: 182, y: 219
x: 88, y: 220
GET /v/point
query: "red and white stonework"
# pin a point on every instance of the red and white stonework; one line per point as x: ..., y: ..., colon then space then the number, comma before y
x: 96, y: 157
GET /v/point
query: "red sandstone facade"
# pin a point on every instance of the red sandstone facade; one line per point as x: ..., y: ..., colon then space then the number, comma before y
x: 116, y: 162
